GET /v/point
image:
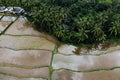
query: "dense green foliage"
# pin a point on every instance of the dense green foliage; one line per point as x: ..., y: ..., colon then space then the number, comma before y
x: 76, y: 21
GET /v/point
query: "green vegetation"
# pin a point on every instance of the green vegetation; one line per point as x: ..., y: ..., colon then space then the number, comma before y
x: 75, y: 21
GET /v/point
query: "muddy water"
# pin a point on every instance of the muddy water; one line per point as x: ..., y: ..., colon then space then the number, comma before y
x: 87, y: 67
x: 24, y: 53
x: 66, y: 57
x: 20, y: 28
x: 25, y: 57
x: 3, y: 25
x: 98, y: 75
x: 8, y: 18
x: 93, y: 49
x: 4, y: 77
x: 95, y: 58
x: 87, y: 62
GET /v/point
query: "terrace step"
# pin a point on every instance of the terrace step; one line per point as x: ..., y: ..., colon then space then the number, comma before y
x: 97, y: 75
x: 25, y: 73
x: 87, y: 62
x: 26, y: 43
x: 25, y: 58
x: 7, y: 77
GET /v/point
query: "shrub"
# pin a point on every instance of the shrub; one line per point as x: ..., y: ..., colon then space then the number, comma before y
x: 73, y: 21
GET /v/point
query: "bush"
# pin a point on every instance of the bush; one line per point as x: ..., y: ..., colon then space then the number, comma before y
x: 66, y: 3
x: 73, y: 21
x: 77, y: 21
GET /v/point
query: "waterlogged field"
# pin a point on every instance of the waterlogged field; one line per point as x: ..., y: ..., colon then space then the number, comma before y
x: 26, y: 54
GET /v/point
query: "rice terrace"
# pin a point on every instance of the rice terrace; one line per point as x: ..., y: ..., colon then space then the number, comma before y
x: 59, y: 39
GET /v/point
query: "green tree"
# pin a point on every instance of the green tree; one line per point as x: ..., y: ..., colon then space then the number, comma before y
x: 115, y: 29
